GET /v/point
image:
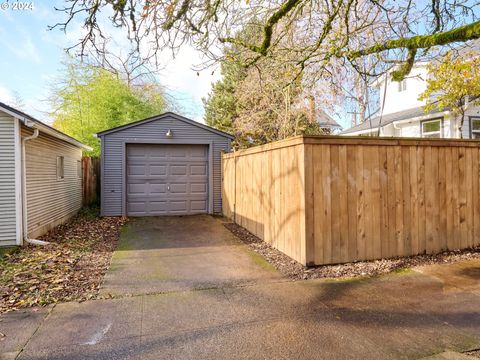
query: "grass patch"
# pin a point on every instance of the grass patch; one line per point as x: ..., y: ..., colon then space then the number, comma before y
x: 5, y: 251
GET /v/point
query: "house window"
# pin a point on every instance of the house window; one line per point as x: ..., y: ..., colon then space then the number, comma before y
x: 60, y: 168
x: 432, y: 128
x: 402, y: 85
x: 475, y: 127
x: 79, y: 169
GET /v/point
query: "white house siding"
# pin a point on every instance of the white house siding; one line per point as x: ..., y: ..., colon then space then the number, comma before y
x: 50, y: 201
x: 413, y: 129
x: 400, y: 100
x: 7, y: 181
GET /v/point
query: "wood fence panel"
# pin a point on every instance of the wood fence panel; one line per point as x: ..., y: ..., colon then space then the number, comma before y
x: 90, y: 180
x: 332, y: 200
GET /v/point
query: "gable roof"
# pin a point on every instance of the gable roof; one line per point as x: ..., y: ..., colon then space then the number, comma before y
x: 373, y: 123
x: 25, y: 118
x: 163, y: 116
x: 326, y: 121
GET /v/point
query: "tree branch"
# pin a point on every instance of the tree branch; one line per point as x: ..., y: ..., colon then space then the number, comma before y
x: 460, y: 34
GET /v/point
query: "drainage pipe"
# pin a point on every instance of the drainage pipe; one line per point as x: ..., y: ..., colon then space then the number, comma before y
x: 24, y: 192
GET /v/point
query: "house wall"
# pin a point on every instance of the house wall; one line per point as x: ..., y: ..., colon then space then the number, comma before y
x: 154, y: 132
x: 413, y: 129
x: 8, y: 217
x: 450, y: 126
x: 50, y: 201
x: 408, y: 99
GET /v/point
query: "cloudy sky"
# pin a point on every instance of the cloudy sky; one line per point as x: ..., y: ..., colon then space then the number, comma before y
x: 31, y: 57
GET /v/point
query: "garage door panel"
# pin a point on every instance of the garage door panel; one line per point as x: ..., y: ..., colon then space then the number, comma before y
x: 200, y: 188
x: 178, y: 205
x: 136, y: 207
x: 136, y: 152
x: 167, y: 179
x: 199, y: 152
x: 156, y: 189
x: 178, y: 169
x: 158, y: 207
x: 198, y: 169
x: 198, y: 205
x: 178, y: 188
x: 136, y: 170
x: 179, y: 155
x: 158, y: 170
x: 135, y: 189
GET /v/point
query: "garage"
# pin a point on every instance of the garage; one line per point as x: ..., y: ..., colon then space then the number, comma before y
x: 167, y: 179
x: 164, y: 165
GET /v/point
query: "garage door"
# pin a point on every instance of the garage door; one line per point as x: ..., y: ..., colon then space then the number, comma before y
x: 167, y: 179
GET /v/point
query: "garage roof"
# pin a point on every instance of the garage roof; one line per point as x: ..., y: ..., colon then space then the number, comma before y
x: 162, y: 116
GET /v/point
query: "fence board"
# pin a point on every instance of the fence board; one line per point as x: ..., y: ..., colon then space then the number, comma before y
x: 90, y: 180
x: 332, y: 200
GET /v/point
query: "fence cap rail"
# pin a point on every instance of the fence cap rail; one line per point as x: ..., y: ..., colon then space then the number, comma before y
x: 354, y: 140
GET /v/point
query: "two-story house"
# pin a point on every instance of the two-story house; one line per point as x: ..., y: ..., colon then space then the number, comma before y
x: 403, y: 114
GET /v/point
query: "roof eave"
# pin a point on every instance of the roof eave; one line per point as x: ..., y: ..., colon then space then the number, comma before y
x: 161, y: 116
x: 45, y: 128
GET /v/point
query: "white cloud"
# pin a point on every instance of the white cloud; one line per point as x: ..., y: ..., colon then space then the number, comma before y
x: 183, y: 82
x: 5, y: 95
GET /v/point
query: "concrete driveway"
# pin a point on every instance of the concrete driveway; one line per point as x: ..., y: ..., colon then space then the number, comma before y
x: 216, y: 300
x: 165, y: 254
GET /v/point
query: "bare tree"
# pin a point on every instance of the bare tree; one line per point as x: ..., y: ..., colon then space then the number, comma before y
x: 391, y: 31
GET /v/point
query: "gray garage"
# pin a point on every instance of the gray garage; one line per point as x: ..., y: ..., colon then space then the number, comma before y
x: 163, y: 165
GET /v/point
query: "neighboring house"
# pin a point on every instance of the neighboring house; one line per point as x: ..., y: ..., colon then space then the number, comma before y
x: 40, y: 177
x: 163, y: 165
x: 326, y: 122
x: 403, y: 114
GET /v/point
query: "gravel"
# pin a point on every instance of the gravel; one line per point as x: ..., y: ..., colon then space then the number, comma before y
x: 295, y: 271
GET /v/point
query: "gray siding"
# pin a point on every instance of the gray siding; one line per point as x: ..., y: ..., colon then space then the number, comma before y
x: 50, y: 201
x: 153, y: 131
x: 7, y: 180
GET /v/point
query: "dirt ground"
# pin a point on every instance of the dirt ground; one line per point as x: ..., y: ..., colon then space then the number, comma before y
x: 71, y: 267
x: 295, y: 271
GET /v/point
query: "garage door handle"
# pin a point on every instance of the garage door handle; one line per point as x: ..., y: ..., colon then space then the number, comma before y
x: 168, y: 187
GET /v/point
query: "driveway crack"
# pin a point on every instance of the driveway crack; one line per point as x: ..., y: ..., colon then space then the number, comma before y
x: 47, y: 315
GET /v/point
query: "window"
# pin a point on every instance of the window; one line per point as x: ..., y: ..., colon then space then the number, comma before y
x: 79, y: 169
x: 432, y: 128
x: 402, y: 85
x: 475, y: 127
x: 60, y: 168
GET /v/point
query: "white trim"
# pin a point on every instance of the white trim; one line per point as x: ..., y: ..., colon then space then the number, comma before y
x: 399, y: 122
x: 424, y: 134
x: 162, y: 116
x: 361, y: 131
x: 45, y: 128
x: 18, y: 182
x: 471, y: 119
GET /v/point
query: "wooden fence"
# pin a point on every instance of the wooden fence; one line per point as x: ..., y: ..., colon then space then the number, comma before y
x: 324, y: 200
x: 90, y: 180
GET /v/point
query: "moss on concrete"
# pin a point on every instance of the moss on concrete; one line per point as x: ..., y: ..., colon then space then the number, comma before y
x: 260, y: 260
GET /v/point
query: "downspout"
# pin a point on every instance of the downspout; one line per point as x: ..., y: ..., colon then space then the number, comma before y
x: 24, y: 192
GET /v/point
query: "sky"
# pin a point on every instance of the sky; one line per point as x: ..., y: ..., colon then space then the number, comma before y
x: 31, y: 60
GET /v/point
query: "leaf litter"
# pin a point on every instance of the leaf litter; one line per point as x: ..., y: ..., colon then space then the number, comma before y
x: 70, y: 268
x: 296, y: 271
